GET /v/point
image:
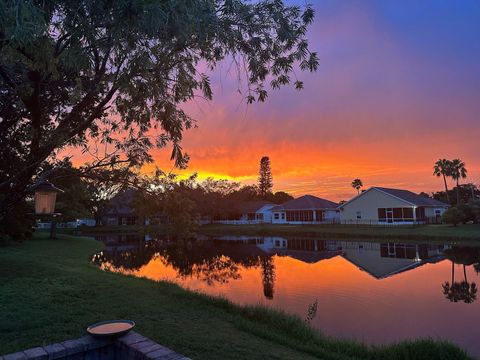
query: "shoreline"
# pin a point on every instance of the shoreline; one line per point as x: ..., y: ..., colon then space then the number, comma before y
x: 465, y: 234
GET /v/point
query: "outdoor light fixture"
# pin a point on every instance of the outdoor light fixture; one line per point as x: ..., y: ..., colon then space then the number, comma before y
x: 45, y: 198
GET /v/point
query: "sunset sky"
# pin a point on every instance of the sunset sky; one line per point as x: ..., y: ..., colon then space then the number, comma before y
x: 397, y: 88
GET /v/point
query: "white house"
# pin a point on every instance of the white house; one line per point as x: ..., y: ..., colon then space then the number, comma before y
x: 306, y: 209
x: 379, y: 205
x: 248, y: 212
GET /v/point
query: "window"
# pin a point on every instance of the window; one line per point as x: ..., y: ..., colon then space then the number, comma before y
x: 300, y: 215
x: 420, y: 212
x: 277, y: 243
x: 397, y: 213
x: 408, y: 214
x: 359, y: 214
x: 319, y: 215
x: 391, y: 215
x: 283, y: 216
x: 276, y: 216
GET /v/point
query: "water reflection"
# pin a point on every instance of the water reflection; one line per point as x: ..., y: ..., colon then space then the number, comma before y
x: 463, y: 290
x: 373, y: 291
x: 219, y: 260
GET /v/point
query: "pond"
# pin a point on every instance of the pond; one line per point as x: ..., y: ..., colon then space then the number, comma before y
x: 375, y: 292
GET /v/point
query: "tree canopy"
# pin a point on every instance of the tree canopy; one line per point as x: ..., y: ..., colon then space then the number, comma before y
x: 101, y: 74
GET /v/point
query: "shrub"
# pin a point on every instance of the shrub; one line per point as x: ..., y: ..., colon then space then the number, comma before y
x: 453, y: 216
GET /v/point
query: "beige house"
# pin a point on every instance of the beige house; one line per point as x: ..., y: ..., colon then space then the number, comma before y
x: 379, y: 205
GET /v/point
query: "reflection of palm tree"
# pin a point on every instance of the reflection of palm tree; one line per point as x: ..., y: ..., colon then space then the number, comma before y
x: 477, y: 268
x: 460, y: 291
x: 268, y: 276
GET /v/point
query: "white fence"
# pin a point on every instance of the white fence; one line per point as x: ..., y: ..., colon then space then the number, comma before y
x: 68, y: 225
x: 240, y: 222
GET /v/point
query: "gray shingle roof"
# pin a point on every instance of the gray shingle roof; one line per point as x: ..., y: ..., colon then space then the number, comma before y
x: 247, y: 207
x: 411, y: 197
x: 121, y: 203
x: 306, y: 202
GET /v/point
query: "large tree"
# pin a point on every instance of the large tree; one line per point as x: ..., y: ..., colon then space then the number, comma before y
x: 265, y: 179
x: 458, y: 171
x: 100, y: 74
x: 443, y: 168
x: 357, y: 184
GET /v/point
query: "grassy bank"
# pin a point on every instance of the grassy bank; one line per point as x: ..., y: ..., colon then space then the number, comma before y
x: 460, y: 233
x: 50, y: 292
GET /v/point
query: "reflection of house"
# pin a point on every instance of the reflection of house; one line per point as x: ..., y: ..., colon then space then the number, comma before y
x: 303, y: 249
x: 380, y: 205
x: 382, y: 260
x: 306, y: 209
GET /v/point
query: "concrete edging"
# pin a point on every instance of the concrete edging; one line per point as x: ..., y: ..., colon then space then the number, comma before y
x: 129, y: 346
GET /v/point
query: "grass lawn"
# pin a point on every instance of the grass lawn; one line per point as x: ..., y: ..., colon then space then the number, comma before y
x: 464, y: 233
x: 50, y: 292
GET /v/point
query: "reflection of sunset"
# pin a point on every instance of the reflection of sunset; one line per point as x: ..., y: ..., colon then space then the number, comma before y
x: 357, y: 289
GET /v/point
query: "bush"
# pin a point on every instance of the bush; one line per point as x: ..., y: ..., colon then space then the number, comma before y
x: 453, y: 216
x: 475, y: 209
x: 18, y: 223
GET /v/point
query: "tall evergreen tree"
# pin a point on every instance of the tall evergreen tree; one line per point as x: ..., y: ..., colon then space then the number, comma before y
x: 265, y: 179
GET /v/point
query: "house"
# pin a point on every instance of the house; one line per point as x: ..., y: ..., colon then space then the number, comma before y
x: 379, y: 205
x: 259, y: 211
x: 248, y: 212
x: 119, y: 211
x: 306, y: 209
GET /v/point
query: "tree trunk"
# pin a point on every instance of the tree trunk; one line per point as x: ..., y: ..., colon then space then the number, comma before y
x: 458, y: 193
x: 446, y: 189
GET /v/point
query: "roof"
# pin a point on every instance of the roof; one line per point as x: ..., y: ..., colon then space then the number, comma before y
x: 121, y: 203
x: 247, y: 207
x: 405, y: 195
x: 306, y: 202
x: 411, y: 197
x: 384, y: 267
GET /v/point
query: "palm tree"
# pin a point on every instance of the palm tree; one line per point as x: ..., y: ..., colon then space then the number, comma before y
x: 443, y: 167
x: 357, y: 185
x: 458, y: 170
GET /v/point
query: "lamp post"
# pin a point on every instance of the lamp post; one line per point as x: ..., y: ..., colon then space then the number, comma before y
x: 45, y: 198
